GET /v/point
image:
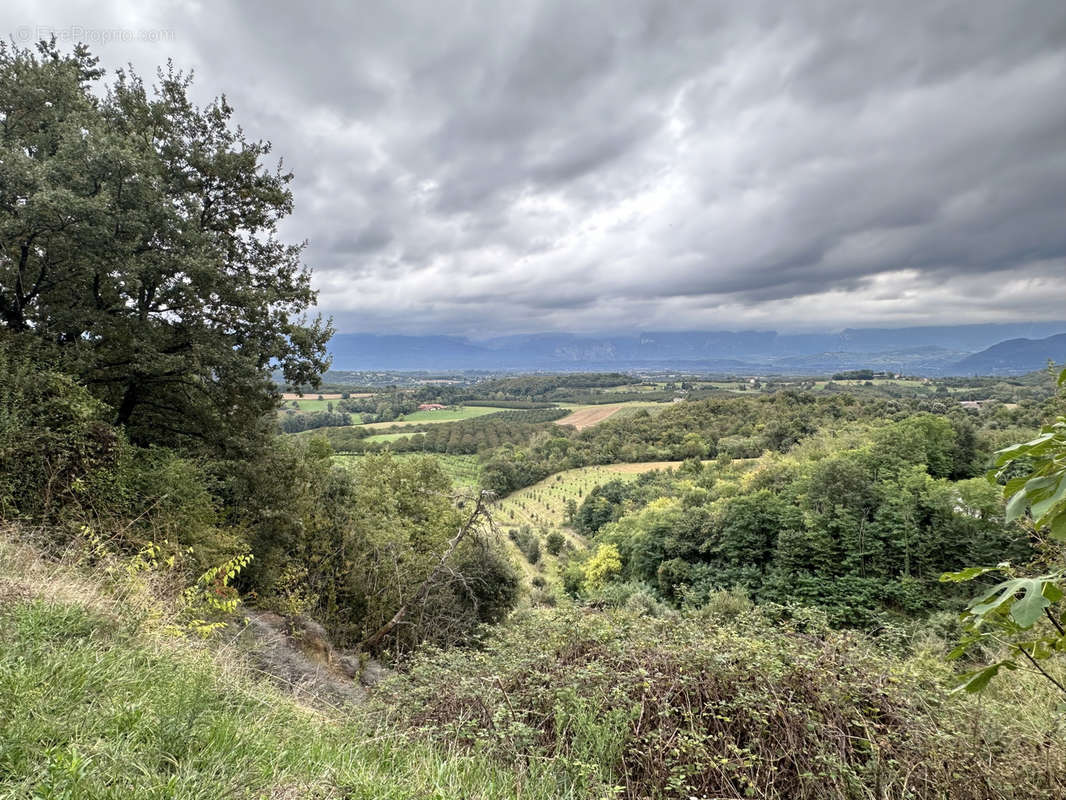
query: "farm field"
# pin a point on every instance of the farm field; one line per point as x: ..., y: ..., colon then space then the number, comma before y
x: 324, y: 395
x: 543, y: 505
x: 386, y: 437
x: 586, y: 416
x: 427, y: 417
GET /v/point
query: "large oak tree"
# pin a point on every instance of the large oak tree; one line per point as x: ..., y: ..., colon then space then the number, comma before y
x: 139, y: 241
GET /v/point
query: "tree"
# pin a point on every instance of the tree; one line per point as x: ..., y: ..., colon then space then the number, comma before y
x: 605, y: 563
x: 139, y: 240
x: 1024, y: 612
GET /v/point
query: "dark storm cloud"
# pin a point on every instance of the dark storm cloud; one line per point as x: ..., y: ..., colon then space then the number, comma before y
x: 491, y: 167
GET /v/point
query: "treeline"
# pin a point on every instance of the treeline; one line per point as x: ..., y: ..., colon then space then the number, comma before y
x: 741, y: 427
x: 381, y: 407
x: 538, y: 389
x: 508, y: 403
x: 862, y: 526
x: 291, y: 422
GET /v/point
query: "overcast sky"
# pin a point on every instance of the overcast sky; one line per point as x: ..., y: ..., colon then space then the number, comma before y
x: 503, y: 167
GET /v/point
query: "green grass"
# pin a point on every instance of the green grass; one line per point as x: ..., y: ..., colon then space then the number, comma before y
x: 451, y: 414
x: 94, y: 706
x: 386, y: 437
x: 310, y: 403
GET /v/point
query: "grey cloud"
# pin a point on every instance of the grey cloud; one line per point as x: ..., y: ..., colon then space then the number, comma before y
x: 547, y: 165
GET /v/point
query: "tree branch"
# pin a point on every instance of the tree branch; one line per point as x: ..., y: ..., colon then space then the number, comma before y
x: 479, y: 509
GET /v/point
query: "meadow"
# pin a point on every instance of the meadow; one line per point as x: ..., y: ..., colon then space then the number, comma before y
x: 430, y: 417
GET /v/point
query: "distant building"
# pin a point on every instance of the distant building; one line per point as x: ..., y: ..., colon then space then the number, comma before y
x: 430, y: 407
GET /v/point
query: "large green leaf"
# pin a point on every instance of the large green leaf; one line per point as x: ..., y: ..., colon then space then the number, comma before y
x: 978, y: 679
x: 1025, y: 609
x: 1058, y: 526
x: 1041, y: 507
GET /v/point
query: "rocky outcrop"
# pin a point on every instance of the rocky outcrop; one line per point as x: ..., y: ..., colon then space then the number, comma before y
x: 296, y: 653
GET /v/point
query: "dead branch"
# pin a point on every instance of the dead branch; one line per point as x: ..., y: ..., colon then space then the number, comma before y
x: 480, y: 509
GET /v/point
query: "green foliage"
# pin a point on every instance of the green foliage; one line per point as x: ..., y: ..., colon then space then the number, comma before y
x: 1023, y: 613
x: 1042, y: 487
x: 856, y: 525
x: 52, y: 434
x: 363, y: 537
x: 555, y: 542
x: 732, y: 702
x: 527, y: 541
x: 139, y: 242
x: 605, y: 563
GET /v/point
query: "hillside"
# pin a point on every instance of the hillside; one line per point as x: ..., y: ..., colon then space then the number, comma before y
x: 1014, y: 357
x: 100, y: 701
x: 225, y: 573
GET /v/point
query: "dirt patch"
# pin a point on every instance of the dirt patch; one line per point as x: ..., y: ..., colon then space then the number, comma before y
x: 587, y: 417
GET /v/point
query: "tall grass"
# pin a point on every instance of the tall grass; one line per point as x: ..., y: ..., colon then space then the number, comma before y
x: 96, y: 703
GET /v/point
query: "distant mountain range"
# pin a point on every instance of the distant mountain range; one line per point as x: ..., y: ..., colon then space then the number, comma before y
x: 1014, y: 356
x: 945, y: 350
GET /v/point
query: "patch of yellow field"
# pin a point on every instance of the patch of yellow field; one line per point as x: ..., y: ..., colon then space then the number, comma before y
x: 587, y: 417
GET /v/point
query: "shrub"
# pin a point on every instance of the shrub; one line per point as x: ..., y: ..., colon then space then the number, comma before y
x: 641, y: 707
x: 554, y: 543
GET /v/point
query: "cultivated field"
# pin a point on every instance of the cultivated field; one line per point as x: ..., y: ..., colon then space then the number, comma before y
x: 311, y: 403
x: 386, y: 437
x: 586, y: 416
x: 427, y: 417
x: 542, y: 506
x: 323, y: 395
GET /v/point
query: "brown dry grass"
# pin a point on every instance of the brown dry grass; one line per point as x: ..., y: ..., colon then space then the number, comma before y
x: 587, y: 417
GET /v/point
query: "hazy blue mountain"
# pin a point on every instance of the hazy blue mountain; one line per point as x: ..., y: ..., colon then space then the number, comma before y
x: 925, y: 350
x: 964, y: 338
x: 1014, y: 357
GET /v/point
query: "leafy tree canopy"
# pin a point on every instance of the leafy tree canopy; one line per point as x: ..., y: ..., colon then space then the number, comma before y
x: 139, y: 242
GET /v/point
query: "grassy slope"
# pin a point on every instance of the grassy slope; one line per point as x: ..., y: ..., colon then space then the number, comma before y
x: 95, y: 705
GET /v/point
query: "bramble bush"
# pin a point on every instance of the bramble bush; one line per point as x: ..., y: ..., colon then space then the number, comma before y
x: 731, y: 702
